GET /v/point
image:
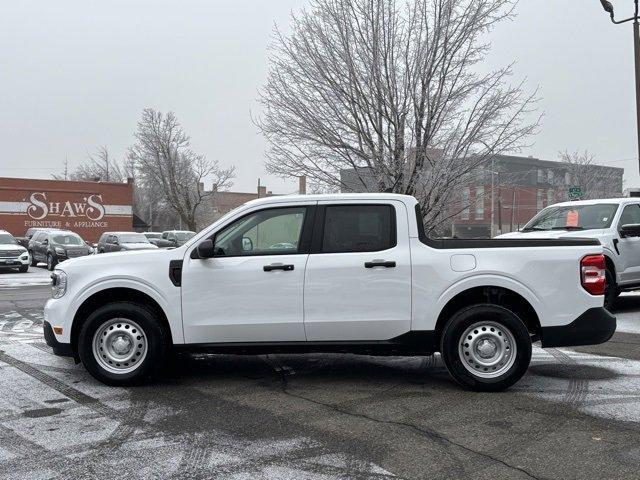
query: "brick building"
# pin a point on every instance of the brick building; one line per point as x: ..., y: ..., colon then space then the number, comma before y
x: 87, y: 208
x: 522, y: 186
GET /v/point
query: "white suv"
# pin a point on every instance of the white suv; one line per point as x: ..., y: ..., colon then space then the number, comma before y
x: 615, y: 222
x: 12, y: 255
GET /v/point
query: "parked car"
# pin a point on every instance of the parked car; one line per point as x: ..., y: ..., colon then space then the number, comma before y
x: 615, y: 223
x: 24, y: 241
x: 12, y: 255
x: 363, y: 278
x: 177, y: 237
x: 157, y: 240
x: 55, y: 246
x: 123, y: 241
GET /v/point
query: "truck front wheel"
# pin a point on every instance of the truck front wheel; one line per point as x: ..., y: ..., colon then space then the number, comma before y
x: 122, y: 343
x: 486, y: 347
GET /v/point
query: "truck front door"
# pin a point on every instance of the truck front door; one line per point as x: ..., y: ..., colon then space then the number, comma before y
x: 252, y: 290
x: 358, y: 276
x: 629, y: 247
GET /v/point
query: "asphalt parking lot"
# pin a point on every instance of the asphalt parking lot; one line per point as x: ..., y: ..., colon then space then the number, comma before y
x: 575, y: 415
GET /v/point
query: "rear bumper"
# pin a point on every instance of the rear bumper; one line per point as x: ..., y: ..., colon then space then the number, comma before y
x: 594, y: 326
x: 61, y: 349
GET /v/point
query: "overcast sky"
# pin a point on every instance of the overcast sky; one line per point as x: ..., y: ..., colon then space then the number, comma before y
x: 75, y: 75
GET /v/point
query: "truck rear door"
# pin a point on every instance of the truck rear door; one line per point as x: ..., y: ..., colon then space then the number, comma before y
x: 358, y: 275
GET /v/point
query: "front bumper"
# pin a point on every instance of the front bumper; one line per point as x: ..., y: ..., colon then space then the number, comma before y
x: 61, y: 349
x: 15, y: 262
x: 594, y: 326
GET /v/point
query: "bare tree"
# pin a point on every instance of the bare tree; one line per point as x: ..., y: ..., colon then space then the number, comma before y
x: 164, y: 161
x: 595, y: 181
x: 101, y: 166
x: 388, y: 91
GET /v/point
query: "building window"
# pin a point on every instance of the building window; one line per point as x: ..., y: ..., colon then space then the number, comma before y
x: 465, y: 203
x: 479, y: 203
x: 540, y: 175
x: 550, y: 176
x: 550, y: 197
x: 539, y: 200
x: 567, y: 179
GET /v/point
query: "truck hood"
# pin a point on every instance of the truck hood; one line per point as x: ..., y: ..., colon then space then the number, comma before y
x: 11, y: 248
x: 124, y: 258
x: 553, y: 234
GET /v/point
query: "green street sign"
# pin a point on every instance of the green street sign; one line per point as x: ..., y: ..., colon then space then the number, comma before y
x: 575, y: 193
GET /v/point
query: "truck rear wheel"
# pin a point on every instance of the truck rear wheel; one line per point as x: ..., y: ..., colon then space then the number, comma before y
x: 486, y: 347
x: 122, y: 343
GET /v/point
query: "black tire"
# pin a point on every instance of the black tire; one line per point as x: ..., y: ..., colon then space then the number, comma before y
x: 34, y: 262
x: 51, y: 262
x: 611, y: 290
x: 24, y: 269
x: 156, y: 336
x: 498, y: 327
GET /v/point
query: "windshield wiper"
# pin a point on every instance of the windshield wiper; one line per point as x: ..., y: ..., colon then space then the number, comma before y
x: 531, y: 229
x: 568, y: 228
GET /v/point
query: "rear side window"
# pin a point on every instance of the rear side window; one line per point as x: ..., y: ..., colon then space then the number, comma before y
x: 358, y: 228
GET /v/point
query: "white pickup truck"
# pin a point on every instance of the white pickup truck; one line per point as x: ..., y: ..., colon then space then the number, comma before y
x: 614, y: 222
x: 330, y: 273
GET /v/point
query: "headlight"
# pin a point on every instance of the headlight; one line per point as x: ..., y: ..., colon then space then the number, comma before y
x: 25, y: 255
x: 60, y: 251
x: 58, y: 283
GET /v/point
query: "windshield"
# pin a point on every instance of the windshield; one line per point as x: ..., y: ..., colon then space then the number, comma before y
x: 67, y: 239
x: 184, y: 235
x: 573, y: 217
x: 133, y: 238
x: 6, y: 239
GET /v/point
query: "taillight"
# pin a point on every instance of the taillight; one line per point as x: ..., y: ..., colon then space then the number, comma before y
x: 592, y: 274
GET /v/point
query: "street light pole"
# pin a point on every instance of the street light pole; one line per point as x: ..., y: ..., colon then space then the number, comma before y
x: 608, y: 7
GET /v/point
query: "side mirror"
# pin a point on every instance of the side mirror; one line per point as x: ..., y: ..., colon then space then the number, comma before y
x: 206, y: 249
x: 174, y: 241
x: 247, y: 244
x: 630, y: 230
x: 45, y: 241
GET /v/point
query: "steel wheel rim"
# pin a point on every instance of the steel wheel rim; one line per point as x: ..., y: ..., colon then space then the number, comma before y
x: 487, y: 349
x: 50, y: 262
x: 119, y: 345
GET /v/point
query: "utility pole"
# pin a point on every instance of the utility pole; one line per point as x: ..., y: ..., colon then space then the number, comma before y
x: 608, y: 7
x: 513, y: 209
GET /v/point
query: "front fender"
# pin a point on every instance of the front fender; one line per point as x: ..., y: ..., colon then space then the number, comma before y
x: 169, y: 302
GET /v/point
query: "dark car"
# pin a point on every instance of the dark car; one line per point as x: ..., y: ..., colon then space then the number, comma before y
x: 157, y: 240
x: 55, y: 246
x: 24, y: 241
x: 123, y: 241
x: 177, y: 237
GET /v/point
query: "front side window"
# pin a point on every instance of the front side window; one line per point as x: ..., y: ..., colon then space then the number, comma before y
x: 358, y: 228
x: 274, y: 231
x: 630, y: 215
